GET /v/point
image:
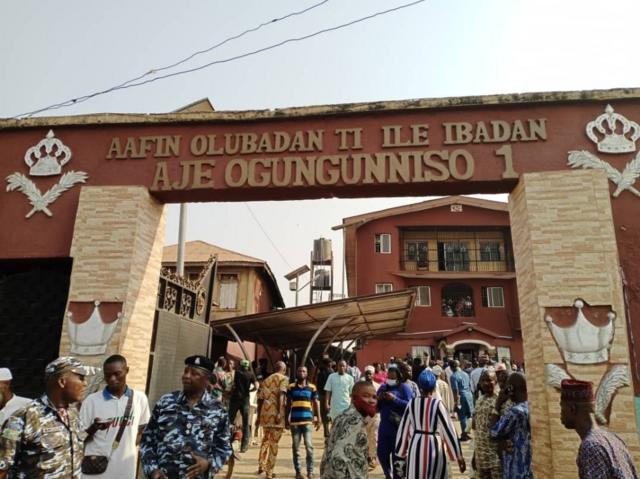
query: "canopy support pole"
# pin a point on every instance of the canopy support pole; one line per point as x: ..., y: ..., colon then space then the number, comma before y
x: 266, y: 349
x: 241, y: 344
x: 317, y: 333
x: 326, y: 348
x: 348, y: 346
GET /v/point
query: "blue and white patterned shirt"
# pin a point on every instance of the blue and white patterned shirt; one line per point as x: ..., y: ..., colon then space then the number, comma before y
x: 514, y: 426
x: 176, y: 431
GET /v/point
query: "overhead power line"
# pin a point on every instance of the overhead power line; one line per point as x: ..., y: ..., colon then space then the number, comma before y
x: 223, y: 42
x: 75, y: 101
x: 135, y: 83
x: 267, y: 236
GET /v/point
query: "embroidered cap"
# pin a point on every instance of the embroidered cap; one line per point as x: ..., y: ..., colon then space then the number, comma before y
x: 573, y: 390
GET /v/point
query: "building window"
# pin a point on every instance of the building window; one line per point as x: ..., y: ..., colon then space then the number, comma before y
x: 453, y: 255
x: 384, y: 287
x: 423, y: 295
x: 493, y: 297
x: 418, y: 251
x: 383, y: 243
x: 422, y: 352
x: 504, y: 354
x: 228, y: 291
x: 457, y: 300
x: 490, y: 251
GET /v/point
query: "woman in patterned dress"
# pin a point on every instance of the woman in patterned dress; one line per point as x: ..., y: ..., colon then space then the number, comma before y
x: 426, y: 435
x: 485, y: 456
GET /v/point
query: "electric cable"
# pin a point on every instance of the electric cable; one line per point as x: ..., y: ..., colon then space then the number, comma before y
x: 219, y: 62
x: 193, y: 55
x: 219, y: 44
x: 267, y: 235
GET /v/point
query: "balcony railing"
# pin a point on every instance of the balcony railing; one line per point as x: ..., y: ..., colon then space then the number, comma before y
x: 458, y: 260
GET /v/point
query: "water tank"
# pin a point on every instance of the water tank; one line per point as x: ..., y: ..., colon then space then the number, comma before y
x: 322, y: 278
x: 322, y: 250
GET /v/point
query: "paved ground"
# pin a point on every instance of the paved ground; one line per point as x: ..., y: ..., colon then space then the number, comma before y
x: 247, y: 466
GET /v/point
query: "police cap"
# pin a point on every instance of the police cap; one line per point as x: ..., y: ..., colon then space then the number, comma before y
x: 200, y: 362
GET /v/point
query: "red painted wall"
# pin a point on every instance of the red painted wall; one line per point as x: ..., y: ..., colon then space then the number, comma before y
x: 372, y: 268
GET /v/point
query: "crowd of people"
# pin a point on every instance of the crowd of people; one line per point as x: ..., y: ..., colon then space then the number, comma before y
x: 400, y: 415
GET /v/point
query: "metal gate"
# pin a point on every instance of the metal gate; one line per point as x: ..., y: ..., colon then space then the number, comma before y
x: 33, y: 296
x: 181, y: 328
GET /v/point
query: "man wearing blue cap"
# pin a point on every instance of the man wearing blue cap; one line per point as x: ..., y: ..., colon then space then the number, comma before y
x: 45, y: 438
x: 188, y: 434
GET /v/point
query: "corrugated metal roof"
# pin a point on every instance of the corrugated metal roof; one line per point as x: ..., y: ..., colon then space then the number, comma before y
x: 359, y: 317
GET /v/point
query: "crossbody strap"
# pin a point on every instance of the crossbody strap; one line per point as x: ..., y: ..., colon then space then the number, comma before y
x: 123, y: 423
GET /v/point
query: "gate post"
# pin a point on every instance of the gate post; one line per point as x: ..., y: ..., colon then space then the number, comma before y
x: 117, y: 254
x: 565, y: 250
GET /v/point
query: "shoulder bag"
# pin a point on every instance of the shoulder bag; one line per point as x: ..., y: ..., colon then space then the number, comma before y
x: 98, y: 464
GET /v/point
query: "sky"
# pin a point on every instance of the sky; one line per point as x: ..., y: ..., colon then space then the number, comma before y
x: 57, y: 51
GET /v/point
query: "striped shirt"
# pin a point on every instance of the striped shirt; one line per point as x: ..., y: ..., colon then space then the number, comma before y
x: 301, y: 398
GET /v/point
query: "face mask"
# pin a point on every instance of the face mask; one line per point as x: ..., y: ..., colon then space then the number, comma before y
x: 363, y: 407
x: 391, y: 382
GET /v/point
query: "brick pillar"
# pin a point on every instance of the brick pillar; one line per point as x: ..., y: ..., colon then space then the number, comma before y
x: 565, y: 248
x: 117, y: 252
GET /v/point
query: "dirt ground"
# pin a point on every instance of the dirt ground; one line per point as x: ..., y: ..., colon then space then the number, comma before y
x: 247, y: 465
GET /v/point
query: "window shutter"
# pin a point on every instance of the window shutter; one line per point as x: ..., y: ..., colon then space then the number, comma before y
x: 228, y: 291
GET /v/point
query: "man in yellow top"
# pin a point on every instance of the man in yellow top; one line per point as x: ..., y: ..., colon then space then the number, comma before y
x: 271, y: 416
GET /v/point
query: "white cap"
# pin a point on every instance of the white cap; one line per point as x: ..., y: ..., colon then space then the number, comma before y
x: 5, y: 374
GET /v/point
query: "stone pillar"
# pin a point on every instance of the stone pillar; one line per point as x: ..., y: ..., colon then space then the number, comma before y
x: 565, y: 249
x: 117, y: 253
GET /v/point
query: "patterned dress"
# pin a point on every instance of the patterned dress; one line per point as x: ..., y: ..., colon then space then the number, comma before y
x: 603, y: 455
x: 345, y: 456
x: 425, y: 437
x: 486, y: 451
x: 514, y: 426
x: 176, y: 431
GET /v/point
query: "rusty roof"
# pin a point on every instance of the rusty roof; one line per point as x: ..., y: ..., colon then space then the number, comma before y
x: 199, y: 252
x: 354, y: 318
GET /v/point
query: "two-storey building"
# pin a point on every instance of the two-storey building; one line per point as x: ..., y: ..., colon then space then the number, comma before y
x: 243, y: 285
x: 456, y: 252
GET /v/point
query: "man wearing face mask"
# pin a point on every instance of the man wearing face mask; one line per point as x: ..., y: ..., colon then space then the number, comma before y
x: 345, y: 456
x: 374, y: 423
x: 393, y: 397
x: 44, y: 439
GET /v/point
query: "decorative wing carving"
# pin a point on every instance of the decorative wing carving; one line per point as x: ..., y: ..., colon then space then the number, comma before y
x: 614, y: 379
x: 555, y: 374
x: 629, y: 175
x: 624, y: 181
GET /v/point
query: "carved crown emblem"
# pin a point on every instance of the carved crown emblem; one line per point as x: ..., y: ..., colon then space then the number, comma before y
x: 613, y: 133
x: 47, y: 157
x: 583, y: 342
x: 91, y: 336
